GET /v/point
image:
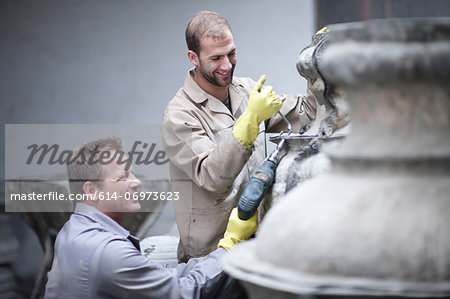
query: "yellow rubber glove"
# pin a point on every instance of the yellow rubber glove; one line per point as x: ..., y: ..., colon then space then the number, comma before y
x: 323, y: 30
x: 262, y: 104
x: 238, y: 230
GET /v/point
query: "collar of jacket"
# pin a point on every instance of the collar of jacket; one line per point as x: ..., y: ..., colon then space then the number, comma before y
x: 199, y: 96
x: 97, y: 216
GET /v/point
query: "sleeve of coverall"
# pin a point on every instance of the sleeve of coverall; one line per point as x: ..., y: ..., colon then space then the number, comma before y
x: 128, y: 274
x: 211, y: 166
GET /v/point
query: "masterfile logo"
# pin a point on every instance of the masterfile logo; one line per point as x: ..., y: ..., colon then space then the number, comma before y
x: 54, y: 155
x: 37, y: 157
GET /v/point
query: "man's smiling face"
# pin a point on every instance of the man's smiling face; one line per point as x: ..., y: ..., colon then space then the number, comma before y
x: 217, y: 59
x: 121, y: 184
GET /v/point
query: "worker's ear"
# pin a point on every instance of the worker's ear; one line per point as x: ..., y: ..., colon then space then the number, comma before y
x: 91, y: 189
x: 193, y: 57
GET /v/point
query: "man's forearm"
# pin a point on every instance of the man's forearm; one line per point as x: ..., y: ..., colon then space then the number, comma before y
x: 211, y: 166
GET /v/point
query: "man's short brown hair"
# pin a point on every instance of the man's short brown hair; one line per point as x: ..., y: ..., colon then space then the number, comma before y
x: 205, y: 23
x: 85, y: 166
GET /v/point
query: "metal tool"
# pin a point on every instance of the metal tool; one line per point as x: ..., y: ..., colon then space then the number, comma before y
x: 261, y: 180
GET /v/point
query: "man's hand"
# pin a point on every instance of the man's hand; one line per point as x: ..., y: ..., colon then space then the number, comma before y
x: 263, y: 101
x: 238, y: 230
x: 262, y: 104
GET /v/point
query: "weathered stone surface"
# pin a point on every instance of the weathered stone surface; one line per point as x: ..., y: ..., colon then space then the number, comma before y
x: 378, y: 223
x: 302, y: 158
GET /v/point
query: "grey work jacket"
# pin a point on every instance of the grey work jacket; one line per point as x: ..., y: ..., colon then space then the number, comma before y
x: 95, y: 259
x: 209, y: 167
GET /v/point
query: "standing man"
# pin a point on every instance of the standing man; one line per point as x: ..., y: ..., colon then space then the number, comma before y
x: 211, y: 129
x: 95, y: 257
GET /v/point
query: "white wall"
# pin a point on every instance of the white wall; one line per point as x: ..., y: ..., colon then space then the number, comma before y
x: 103, y: 61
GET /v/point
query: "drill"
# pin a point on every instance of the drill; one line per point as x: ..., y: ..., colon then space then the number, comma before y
x: 259, y: 183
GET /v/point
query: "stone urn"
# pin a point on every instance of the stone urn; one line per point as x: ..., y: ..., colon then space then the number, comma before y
x: 302, y: 158
x: 378, y: 223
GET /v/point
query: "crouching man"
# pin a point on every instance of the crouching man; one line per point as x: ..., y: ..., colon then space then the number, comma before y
x: 95, y: 257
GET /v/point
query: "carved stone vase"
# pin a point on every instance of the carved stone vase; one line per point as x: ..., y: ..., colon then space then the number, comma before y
x: 302, y: 158
x: 378, y: 223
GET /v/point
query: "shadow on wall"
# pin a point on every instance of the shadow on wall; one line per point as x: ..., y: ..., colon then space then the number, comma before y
x: 342, y: 11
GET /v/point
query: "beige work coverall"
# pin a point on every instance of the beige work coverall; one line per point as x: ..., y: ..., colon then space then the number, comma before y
x: 209, y: 167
